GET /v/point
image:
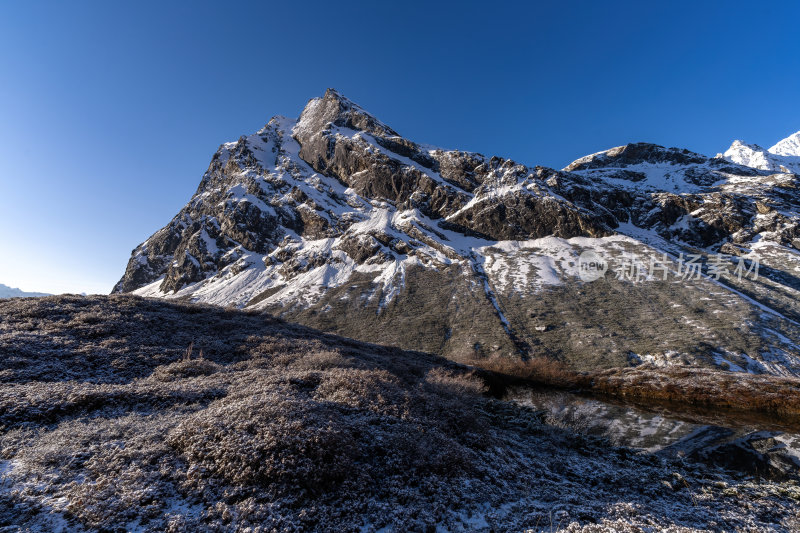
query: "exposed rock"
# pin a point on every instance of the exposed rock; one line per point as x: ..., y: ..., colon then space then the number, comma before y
x: 337, y: 221
x: 634, y: 154
x: 760, y: 453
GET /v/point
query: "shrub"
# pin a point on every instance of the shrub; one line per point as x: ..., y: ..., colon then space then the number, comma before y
x: 538, y: 370
x: 270, y: 438
x: 185, y: 368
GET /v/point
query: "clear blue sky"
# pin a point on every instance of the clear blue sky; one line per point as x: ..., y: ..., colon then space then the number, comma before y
x: 109, y: 114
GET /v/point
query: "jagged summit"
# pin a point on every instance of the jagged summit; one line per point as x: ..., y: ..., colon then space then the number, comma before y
x: 336, y: 221
x: 335, y: 110
x: 784, y: 156
x: 751, y: 155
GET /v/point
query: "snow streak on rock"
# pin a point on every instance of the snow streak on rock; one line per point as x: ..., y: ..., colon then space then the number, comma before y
x: 335, y: 213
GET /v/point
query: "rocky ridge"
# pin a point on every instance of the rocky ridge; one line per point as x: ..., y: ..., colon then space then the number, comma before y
x: 336, y: 221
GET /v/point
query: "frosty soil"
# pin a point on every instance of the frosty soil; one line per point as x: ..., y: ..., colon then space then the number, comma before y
x: 106, y: 422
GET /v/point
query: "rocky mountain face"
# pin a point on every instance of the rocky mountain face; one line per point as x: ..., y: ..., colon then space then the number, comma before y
x: 336, y: 221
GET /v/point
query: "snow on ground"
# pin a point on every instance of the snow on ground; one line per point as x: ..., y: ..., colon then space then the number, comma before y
x: 656, y: 177
x: 527, y: 266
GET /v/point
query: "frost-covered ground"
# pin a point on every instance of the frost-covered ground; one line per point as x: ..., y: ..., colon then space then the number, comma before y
x: 107, y: 422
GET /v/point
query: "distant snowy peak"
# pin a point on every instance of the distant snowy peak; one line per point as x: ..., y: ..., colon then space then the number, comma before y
x: 790, y: 146
x: 783, y: 157
x: 10, y: 292
x: 749, y: 155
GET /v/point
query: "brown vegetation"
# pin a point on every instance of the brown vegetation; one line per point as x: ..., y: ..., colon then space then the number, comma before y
x: 697, y: 387
x: 108, y: 421
x: 700, y: 387
x: 536, y: 370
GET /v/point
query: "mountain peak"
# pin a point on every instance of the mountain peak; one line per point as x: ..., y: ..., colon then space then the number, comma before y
x: 783, y: 157
x: 790, y: 146
x: 334, y: 109
x: 634, y: 154
x: 335, y: 221
x: 738, y: 143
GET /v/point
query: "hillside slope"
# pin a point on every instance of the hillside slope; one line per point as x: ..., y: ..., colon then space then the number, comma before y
x: 336, y: 221
x: 109, y: 420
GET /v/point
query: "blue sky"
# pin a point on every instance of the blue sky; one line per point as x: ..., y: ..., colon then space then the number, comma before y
x: 109, y: 114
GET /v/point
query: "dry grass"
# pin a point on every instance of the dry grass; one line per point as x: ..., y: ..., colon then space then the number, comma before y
x: 697, y: 387
x: 536, y: 370
x: 113, y: 424
x: 700, y: 387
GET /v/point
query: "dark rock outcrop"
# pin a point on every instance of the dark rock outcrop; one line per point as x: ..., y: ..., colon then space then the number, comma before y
x: 336, y: 220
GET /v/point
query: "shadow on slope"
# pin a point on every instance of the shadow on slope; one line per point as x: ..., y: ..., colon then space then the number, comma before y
x: 281, y: 428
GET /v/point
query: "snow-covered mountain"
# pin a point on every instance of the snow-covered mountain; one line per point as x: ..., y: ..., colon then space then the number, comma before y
x: 336, y: 221
x: 783, y: 157
x: 788, y: 147
x: 10, y: 292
